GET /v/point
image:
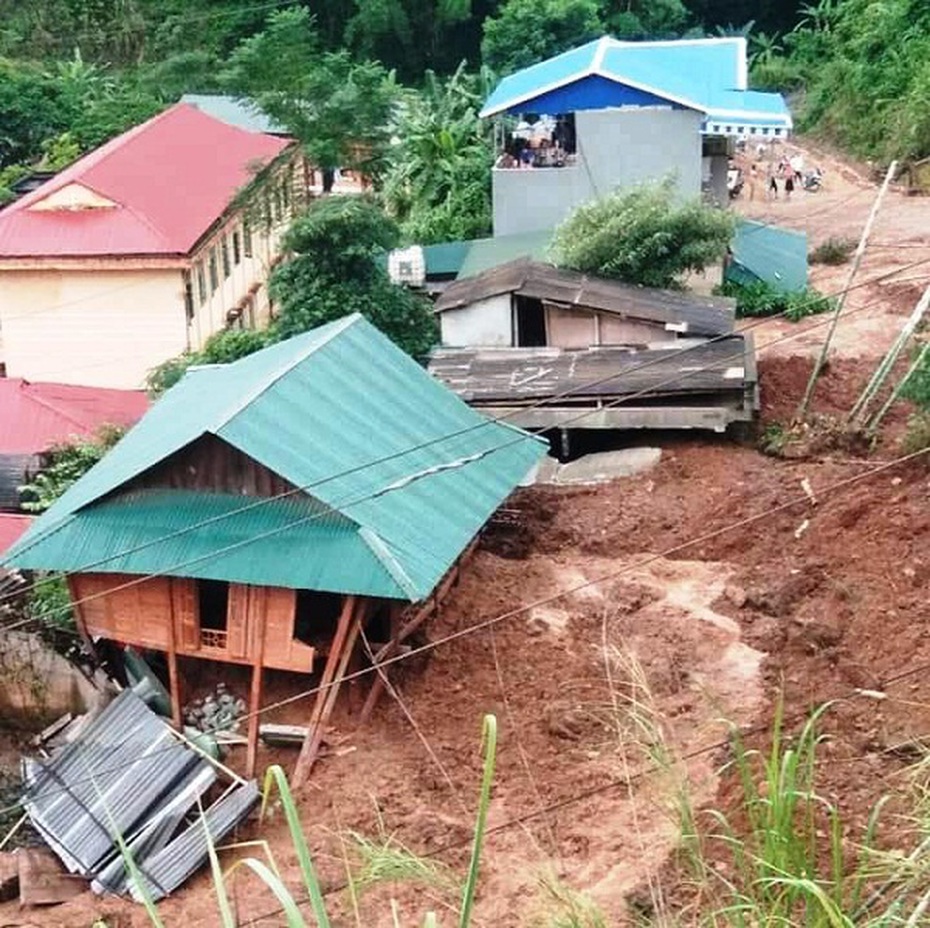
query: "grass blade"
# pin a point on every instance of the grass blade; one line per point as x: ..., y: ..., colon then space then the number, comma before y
x: 275, y: 776
x: 489, y: 740
x: 227, y: 918
x: 271, y: 879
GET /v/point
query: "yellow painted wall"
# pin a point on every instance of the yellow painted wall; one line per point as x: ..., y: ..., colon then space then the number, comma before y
x: 97, y: 327
x: 107, y: 322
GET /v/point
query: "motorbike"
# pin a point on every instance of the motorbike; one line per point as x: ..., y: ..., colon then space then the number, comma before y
x: 813, y: 181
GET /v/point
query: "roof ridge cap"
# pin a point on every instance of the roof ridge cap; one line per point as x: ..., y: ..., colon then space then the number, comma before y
x: 339, y: 326
x: 381, y: 550
x: 42, y: 401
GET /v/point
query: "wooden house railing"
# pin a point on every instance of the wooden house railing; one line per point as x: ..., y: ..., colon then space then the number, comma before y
x: 213, y: 638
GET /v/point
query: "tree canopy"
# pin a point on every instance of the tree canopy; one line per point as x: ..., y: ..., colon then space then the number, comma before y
x: 335, y: 271
x: 644, y: 236
x: 338, y: 108
x: 438, y: 183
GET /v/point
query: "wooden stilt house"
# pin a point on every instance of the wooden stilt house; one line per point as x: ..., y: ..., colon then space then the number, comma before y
x: 263, y: 512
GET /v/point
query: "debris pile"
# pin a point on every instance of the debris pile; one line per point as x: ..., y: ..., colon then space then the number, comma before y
x: 130, y: 774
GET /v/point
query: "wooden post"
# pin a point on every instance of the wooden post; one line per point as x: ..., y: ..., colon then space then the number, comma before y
x: 305, y: 760
x: 175, y: 687
x: 255, y: 693
x: 860, y: 251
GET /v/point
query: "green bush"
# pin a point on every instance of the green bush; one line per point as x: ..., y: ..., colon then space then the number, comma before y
x: 64, y: 464
x: 762, y: 299
x: 645, y: 236
x: 834, y: 250
x: 917, y: 386
x: 917, y: 435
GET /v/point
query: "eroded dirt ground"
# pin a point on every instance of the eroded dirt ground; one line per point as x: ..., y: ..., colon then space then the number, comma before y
x: 821, y: 600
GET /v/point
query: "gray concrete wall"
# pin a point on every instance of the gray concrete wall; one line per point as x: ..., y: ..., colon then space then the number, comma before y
x: 616, y: 148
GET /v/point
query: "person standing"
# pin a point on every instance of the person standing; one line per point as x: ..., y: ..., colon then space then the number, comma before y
x: 773, y: 187
x: 789, y: 186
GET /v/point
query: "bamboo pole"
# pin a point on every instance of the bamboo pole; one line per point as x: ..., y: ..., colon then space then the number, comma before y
x: 332, y: 661
x: 877, y: 418
x: 860, y: 251
x: 880, y: 375
x: 311, y: 746
x: 255, y: 691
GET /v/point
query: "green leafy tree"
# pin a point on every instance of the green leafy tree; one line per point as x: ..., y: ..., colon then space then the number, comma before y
x: 31, y: 111
x: 645, y: 19
x: 64, y: 465
x: 527, y: 31
x: 335, y: 271
x: 644, y: 236
x: 438, y: 182
x: 338, y: 108
x: 220, y: 348
x: 412, y: 36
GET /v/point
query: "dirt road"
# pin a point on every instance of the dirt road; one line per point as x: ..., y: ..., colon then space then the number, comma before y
x: 901, y: 238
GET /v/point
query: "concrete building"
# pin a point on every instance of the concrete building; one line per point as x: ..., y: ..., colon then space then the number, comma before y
x: 143, y: 248
x: 621, y: 113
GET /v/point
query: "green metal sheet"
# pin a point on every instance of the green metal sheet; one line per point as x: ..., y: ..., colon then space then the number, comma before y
x: 404, y: 470
x: 445, y: 258
x: 485, y: 253
x: 769, y: 253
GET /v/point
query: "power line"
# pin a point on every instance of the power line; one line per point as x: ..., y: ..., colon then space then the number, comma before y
x: 619, y: 783
x: 800, y: 500
x: 343, y: 504
x: 483, y: 424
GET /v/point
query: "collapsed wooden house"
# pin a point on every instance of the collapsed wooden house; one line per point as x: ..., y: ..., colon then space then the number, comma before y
x: 554, y: 349
x: 268, y: 511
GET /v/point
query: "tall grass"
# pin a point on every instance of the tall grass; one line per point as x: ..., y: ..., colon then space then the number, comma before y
x: 384, y: 860
x: 782, y: 856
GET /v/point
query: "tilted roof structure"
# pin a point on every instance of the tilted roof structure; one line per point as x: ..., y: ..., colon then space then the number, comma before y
x: 154, y: 190
x: 706, y: 75
x: 688, y: 313
x: 395, y: 476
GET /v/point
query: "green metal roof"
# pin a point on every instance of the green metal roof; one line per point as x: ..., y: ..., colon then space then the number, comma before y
x: 399, y: 475
x: 485, y: 253
x: 768, y: 253
x: 445, y: 258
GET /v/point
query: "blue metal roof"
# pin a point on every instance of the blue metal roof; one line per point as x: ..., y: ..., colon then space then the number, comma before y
x: 706, y: 75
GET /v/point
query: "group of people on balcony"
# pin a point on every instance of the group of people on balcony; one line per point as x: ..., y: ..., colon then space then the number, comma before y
x: 546, y: 144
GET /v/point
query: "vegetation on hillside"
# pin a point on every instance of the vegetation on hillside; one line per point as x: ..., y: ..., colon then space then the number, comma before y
x: 864, y: 72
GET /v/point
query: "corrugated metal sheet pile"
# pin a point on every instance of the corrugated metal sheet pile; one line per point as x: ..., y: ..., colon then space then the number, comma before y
x: 129, y: 773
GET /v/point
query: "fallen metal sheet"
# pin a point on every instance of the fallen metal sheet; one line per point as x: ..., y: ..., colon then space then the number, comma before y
x: 169, y: 868
x: 126, y: 764
x: 128, y: 774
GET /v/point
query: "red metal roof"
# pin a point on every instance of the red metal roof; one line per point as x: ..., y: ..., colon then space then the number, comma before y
x: 171, y: 178
x: 35, y: 416
x: 11, y: 527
